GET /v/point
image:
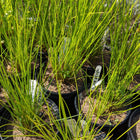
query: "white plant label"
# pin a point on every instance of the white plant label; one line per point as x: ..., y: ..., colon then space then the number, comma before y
x: 73, y: 127
x: 64, y: 48
x: 95, y: 81
x: 106, y: 35
x: 83, y: 124
x: 35, y: 90
x: 1, y: 137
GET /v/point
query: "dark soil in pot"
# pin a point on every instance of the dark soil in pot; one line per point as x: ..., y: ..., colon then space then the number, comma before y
x: 67, y: 86
x: 134, y: 133
x: 101, y: 59
x: 17, y: 133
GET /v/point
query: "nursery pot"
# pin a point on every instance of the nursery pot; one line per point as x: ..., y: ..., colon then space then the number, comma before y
x: 6, y: 119
x: 120, y: 128
x: 68, y: 100
x: 4, y: 116
x: 68, y: 97
x: 134, y: 133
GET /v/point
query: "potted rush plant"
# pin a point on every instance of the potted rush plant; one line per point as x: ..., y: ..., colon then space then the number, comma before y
x: 16, y: 30
x: 27, y: 111
x: 71, y: 32
x: 104, y: 102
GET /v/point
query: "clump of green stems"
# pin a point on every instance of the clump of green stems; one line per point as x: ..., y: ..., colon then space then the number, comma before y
x: 81, y: 25
x: 18, y: 34
x: 72, y: 31
x: 124, y: 62
x: 125, y: 56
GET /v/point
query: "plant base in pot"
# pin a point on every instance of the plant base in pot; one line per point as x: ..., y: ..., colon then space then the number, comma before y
x: 88, y: 107
x: 48, y: 114
x: 68, y: 88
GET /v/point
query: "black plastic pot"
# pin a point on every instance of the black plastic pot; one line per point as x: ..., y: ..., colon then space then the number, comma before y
x: 4, y: 119
x: 122, y: 127
x: 68, y: 97
x: 135, y: 116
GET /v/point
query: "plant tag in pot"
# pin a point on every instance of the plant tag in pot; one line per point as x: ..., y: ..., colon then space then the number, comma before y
x: 83, y: 124
x: 36, y: 91
x: 1, y: 137
x: 64, y: 48
x: 95, y: 81
x: 105, y: 40
x: 73, y: 127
